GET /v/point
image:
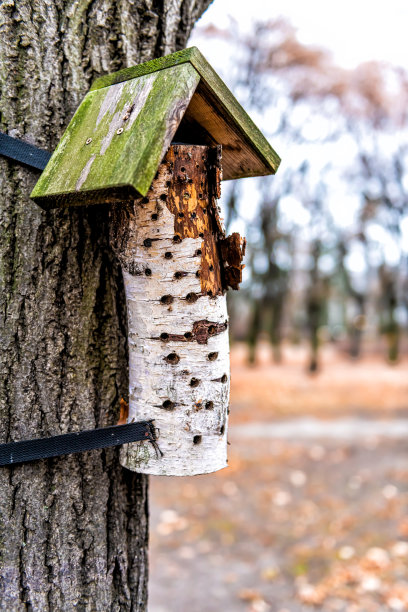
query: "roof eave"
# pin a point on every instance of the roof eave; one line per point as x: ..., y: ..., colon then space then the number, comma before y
x: 231, y: 106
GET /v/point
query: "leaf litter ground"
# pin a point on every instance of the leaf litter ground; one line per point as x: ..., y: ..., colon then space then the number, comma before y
x: 295, y: 524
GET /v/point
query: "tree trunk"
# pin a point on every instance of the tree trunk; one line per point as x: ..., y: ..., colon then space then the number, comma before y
x: 73, y: 530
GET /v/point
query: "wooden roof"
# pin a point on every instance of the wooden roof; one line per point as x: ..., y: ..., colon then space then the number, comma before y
x: 121, y: 131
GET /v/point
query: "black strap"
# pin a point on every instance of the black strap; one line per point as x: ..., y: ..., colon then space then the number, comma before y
x: 21, y: 151
x: 27, y: 154
x: 65, y: 444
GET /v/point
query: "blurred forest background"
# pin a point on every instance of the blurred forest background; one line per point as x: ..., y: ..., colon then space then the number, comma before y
x: 326, y: 259
x: 311, y: 513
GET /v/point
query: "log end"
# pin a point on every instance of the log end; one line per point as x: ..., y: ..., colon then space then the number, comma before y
x: 206, y: 455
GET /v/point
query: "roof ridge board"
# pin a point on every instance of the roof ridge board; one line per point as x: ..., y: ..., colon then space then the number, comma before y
x: 214, y: 82
x: 154, y: 65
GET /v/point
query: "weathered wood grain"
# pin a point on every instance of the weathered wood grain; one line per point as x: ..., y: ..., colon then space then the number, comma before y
x: 118, y: 136
x: 223, y: 102
x: 117, y: 139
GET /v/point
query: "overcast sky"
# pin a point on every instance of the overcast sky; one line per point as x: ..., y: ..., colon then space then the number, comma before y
x: 355, y: 30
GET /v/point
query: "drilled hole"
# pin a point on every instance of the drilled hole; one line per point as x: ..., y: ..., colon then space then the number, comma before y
x: 181, y: 215
x: 209, y: 405
x: 163, y: 197
x: 167, y: 299
x: 194, y: 382
x: 179, y: 275
x: 198, y: 252
x: 168, y: 405
x: 188, y: 336
x: 147, y: 242
x: 193, y: 215
x: 197, y: 439
x: 172, y: 358
x: 212, y: 329
x: 202, y: 183
x: 224, y: 378
x: 168, y: 255
x: 177, y: 239
x: 168, y: 183
x: 182, y: 169
x: 211, y: 268
x: 222, y: 429
x: 155, y: 216
x: 205, y: 211
x: 201, y: 235
x: 191, y: 298
x: 209, y: 293
x: 190, y: 181
x: 212, y: 356
x: 198, y: 274
x: 148, y: 272
x: 145, y: 200
x: 200, y: 196
x: 164, y: 336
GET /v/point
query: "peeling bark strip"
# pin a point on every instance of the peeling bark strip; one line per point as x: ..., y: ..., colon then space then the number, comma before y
x: 201, y: 331
x: 232, y: 253
x: 190, y: 198
x: 177, y: 315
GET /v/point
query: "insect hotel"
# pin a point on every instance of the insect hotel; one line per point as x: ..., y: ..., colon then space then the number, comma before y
x: 153, y: 142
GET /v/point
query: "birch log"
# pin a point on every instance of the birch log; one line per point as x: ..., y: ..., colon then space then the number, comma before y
x: 179, y: 374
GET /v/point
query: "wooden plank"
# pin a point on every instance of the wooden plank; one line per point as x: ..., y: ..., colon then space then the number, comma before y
x: 206, y: 122
x: 237, y: 117
x: 133, y: 72
x: 116, y: 140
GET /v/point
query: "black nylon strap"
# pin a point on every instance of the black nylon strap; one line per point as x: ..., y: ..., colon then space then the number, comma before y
x: 21, y: 151
x: 65, y: 444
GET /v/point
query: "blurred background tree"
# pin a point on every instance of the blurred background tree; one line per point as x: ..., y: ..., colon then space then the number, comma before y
x: 321, y: 266
x: 312, y: 512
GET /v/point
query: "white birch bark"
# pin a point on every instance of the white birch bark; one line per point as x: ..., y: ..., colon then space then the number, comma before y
x: 181, y: 383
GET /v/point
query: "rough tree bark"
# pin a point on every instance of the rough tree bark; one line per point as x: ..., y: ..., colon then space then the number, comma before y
x: 73, y: 530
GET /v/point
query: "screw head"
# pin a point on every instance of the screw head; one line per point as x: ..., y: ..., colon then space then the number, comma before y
x: 88, y: 141
x: 119, y: 131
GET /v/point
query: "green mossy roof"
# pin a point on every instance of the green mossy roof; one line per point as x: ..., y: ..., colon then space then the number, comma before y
x: 121, y: 131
